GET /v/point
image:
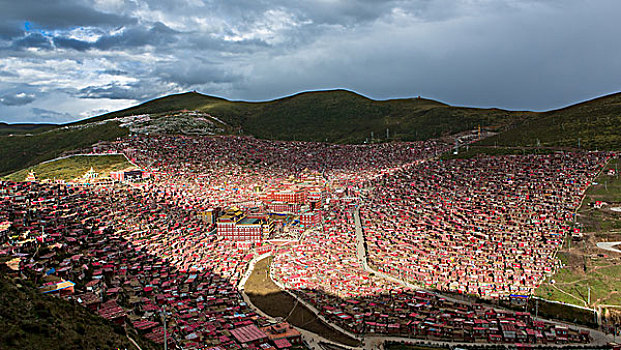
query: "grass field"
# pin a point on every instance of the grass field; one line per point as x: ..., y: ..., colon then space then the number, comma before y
x: 338, y: 116
x: 586, y: 265
x: 266, y: 295
x: 607, y: 187
x: 572, y: 284
x: 20, y: 152
x: 70, y: 168
x: 603, y: 222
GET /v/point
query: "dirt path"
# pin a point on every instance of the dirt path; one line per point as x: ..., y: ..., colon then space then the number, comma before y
x: 133, y: 342
x: 270, y: 300
x: 566, y: 293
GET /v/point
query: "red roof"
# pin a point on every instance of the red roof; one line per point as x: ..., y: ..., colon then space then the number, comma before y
x: 248, y: 334
x: 282, y: 343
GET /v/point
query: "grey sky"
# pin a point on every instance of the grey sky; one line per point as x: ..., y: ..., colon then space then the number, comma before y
x: 63, y: 60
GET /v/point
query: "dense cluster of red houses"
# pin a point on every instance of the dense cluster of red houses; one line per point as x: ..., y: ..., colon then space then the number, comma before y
x: 278, y: 177
x: 178, y: 243
x: 323, y: 269
x: 131, y: 258
x: 488, y: 226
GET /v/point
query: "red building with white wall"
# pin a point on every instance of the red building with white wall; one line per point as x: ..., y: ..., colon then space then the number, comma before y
x: 234, y: 225
x: 310, y: 218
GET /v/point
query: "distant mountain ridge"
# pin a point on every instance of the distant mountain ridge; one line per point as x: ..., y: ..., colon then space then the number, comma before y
x: 338, y: 116
x: 592, y: 125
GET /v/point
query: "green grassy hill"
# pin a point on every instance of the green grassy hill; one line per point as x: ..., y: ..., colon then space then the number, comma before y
x: 597, y: 123
x: 72, y: 167
x: 7, y: 129
x: 22, y: 151
x: 336, y: 116
x: 345, y: 117
x: 31, y: 320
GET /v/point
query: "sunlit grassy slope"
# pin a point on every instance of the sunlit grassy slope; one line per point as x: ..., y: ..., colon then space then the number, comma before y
x: 70, y: 168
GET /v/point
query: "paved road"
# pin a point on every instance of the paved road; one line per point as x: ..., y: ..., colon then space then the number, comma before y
x: 368, y: 341
x: 599, y: 338
x: 361, y: 254
x: 609, y: 246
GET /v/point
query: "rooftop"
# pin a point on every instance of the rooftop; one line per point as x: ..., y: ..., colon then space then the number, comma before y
x: 249, y: 221
x: 248, y: 334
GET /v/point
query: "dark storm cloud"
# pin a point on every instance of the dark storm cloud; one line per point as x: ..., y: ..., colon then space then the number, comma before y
x: 194, y: 71
x: 109, y: 54
x: 10, y: 29
x: 59, y: 14
x: 35, y: 40
x: 116, y: 92
x: 70, y: 43
x: 158, y: 35
x: 17, y: 99
x: 49, y: 115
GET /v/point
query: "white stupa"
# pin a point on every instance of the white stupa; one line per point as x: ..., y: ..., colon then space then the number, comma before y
x: 32, y: 176
x: 90, y: 174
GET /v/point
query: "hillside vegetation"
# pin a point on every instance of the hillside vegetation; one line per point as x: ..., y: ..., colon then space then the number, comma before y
x: 22, y: 151
x: 594, y: 124
x: 345, y: 117
x: 31, y: 320
x: 72, y: 167
x: 335, y: 116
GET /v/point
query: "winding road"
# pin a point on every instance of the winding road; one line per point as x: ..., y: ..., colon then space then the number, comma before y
x: 370, y: 341
x: 599, y: 338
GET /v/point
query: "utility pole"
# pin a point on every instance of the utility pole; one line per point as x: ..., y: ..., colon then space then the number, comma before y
x: 589, y: 297
x: 165, y: 340
x: 596, y: 316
